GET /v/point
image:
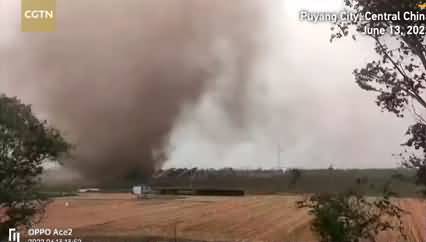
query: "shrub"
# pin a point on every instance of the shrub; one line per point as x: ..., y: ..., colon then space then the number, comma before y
x: 350, y: 217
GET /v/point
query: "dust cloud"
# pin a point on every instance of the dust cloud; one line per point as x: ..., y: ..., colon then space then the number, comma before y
x: 116, y: 74
x: 139, y: 84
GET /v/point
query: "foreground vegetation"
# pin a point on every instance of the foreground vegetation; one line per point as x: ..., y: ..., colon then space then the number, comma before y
x: 25, y: 143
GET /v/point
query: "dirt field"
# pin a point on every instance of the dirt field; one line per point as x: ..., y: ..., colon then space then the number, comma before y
x: 253, y: 218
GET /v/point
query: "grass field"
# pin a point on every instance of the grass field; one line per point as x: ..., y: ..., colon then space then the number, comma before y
x: 250, y: 218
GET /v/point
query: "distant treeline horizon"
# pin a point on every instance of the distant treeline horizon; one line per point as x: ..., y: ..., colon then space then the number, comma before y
x: 373, y: 181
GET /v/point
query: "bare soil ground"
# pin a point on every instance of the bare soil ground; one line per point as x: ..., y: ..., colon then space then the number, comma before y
x: 250, y: 218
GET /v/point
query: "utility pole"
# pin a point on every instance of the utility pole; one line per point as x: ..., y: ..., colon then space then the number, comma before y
x: 279, y: 156
x: 279, y: 188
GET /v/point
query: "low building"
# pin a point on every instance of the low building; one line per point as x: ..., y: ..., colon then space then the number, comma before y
x: 141, y: 191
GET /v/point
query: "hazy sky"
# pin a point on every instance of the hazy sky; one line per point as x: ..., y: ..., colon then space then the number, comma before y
x: 304, y: 101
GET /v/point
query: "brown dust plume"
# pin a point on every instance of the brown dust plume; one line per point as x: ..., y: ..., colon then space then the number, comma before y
x: 116, y: 74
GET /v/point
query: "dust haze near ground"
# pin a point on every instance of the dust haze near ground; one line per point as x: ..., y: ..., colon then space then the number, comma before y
x: 197, y: 83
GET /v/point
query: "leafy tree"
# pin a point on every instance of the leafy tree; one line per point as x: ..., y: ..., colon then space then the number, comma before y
x: 25, y: 143
x: 350, y: 217
x: 398, y: 75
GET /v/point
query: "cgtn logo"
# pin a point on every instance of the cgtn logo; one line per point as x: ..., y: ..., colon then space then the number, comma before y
x: 38, y: 14
x: 14, y: 236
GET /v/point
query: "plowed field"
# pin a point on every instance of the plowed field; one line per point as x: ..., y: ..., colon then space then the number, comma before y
x: 250, y: 218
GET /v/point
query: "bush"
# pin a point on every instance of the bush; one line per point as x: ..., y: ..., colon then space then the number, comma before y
x: 350, y: 217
